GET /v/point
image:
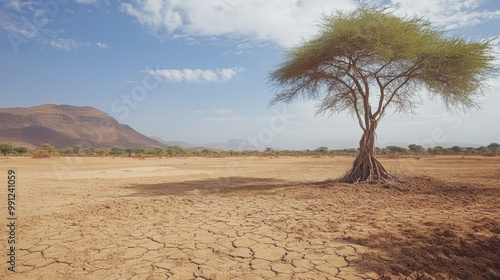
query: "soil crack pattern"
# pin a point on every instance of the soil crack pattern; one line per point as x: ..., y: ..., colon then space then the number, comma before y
x: 259, y: 228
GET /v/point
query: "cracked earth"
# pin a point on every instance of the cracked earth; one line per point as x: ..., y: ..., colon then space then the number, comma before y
x: 253, y: 218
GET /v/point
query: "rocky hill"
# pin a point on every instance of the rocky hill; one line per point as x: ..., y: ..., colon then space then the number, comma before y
x: 66, y: 126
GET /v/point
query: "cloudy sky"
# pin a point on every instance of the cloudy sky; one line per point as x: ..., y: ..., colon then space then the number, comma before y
x: 196, y: 71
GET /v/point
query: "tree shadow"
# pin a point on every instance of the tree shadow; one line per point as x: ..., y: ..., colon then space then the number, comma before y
x: 439, y: 253
x: 434, y: 250
x: 221, y: 186
x: 430, y: 186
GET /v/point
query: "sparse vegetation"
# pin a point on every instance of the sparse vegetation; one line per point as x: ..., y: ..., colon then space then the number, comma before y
x: 6, y: 149
x: 21, y: 150
x: 47, y: 151
x: 159, y: 151
x: 494, y: 148
x: 208, y: 152
x: 175, y: 150
x: 172, y: 151
x: 115, y: 151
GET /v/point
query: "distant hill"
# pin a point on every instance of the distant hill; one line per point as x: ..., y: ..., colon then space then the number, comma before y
x: 65, y: 126
x: 232, y: 144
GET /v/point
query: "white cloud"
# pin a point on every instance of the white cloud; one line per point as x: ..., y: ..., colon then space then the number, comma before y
x: 15, y: 4
x: 67, y: 44
x: 244, y: 46
x: 195, y: 75
x: 29, y: 20
x: 155, y: 14
x: 448, y: 13
x: 102, y: 45
x: 281, y: 21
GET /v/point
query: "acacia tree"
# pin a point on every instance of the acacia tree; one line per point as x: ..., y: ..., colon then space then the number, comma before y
x: 6, y: 148
x: 369, y: 62
x: 494, y: 147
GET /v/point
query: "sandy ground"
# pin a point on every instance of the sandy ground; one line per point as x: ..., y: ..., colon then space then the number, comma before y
x: 252, y: 218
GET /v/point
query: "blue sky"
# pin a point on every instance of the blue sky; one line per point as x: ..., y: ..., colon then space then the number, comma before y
x: 196, y: 71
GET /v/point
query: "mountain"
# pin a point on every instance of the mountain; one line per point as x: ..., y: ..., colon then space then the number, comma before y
x: 65, y: 126
x: 232, y: 144
x: 181, y: 144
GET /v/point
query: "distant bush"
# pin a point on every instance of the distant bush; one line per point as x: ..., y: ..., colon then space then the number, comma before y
x: 116, y: 151
x: 102, y: 152
x: 21, y: 150
x: 40, y: 154
x: 6, y: 149
x: 175, y: 150
x: 46, y: 152
x: 207, y: 152
x: 159, y: 151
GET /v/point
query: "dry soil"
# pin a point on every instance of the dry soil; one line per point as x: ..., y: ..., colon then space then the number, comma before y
x: 252, y: 218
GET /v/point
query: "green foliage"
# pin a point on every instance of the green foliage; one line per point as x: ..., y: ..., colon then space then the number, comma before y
x: 234, y: 153
x: 20, y: 150
x: 116, y: 151
x: 370, y: 47
x: 175, y: 150
x: 321, y: 150
x: 250, y: 152
x: 88, y: 151
x: 494, y: 147
x: 482, y: 150
x: 456, y: 149
x: 416, y: 149
x: 66, y: 151
x: 439, y: 149
x: 76, y: 149
x: 6, y: 149
x: 351, y: 151
x: 102, y: 152
x: 396, y: 150
x: 207, y: 152
x: 432, y: 151
x: 159, y: 151
x: 140, y: 151
x: 129, y: 151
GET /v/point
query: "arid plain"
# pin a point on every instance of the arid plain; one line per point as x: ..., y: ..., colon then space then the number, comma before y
x: 252, y: 218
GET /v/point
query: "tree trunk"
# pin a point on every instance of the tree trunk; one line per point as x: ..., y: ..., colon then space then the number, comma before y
x: 366, y: 167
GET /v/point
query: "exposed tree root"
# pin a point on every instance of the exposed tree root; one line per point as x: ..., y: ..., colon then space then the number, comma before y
x: 366, y: 168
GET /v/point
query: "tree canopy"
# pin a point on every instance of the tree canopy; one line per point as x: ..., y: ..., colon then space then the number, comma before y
x: 369, y: 60
x: 370, y: 47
